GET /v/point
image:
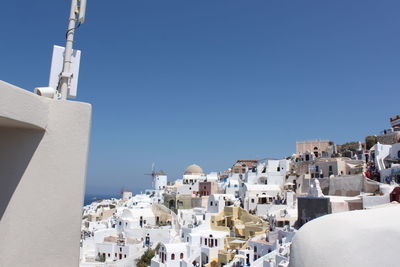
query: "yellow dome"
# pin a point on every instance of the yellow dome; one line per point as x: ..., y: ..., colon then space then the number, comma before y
x: 194, y: 169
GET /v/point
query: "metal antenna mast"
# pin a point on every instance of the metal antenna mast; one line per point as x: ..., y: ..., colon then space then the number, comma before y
x: 77, y: 12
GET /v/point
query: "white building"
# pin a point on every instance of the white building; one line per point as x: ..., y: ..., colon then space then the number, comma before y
x: 259, y: 194
x: 160, y: 180
x: 190, y: 181
x: 136, y: 217
x: 198, y: 245
x: 126, y: 195
x: 170, y: 255
x: 115, y: 248
x: 217, y: 202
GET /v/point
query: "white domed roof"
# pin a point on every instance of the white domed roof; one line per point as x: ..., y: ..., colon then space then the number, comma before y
x: 194, y: 169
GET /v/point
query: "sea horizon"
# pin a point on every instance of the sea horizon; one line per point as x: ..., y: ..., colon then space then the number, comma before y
x: 92, y: 197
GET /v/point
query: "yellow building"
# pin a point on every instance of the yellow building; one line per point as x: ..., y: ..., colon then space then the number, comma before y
x: 241, y: 225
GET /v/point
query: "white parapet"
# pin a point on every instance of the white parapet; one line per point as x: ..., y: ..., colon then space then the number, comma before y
x: 43, y: 157
x: 367, y: 238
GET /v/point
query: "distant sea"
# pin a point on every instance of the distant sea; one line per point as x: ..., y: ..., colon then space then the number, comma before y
x: 89, y: 198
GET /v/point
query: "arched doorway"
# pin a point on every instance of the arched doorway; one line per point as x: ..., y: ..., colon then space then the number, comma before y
x: 171, y: 204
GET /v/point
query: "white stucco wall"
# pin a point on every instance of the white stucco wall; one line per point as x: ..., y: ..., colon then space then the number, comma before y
x: 43, y: 156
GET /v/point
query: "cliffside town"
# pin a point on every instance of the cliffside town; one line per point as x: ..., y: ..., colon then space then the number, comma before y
x: 249, y: 214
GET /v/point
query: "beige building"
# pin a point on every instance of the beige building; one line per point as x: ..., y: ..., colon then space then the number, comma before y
x: 392, y: 135
x: 241, y: 165
x: 317, y: 147
x: 389, y: 137
x: 102, y: 213
x: 175, y: 201
x: 325, y: 167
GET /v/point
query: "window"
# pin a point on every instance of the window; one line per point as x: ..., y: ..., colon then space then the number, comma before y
x: 109, y: 255
x: 211, y: 203
x: 252, y: 200
x: 181, y: 256
x: 216, y: 242
x: 120, y: 223
x: 255, y: 249
x: 120, y: 249
x: 205, y: 241
x: 330, y: 170
x: 278, y: 169
x: 398, y: 154
x: 172, y: 256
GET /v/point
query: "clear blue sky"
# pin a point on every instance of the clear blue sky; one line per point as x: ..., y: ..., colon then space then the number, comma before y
x: 212, y: 81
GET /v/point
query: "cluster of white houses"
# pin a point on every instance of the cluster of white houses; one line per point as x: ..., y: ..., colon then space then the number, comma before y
x: 247, y: 215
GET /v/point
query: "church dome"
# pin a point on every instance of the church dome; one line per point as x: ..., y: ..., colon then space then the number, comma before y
x: 194, y: 169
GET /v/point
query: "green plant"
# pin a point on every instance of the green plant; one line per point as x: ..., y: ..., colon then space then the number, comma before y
x: 370, y: 141
x: 145, y: 259
x: 101, y: 257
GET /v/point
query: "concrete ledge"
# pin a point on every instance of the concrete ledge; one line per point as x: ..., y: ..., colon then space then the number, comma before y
x: 22, y: 109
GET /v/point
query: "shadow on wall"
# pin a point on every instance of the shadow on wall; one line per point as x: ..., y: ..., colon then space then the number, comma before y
x: 17, y: 146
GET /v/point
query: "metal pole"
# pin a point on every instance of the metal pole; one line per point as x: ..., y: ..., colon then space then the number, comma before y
x: 66, y: 72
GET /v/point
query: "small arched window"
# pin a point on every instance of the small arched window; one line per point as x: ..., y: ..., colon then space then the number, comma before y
x: 181, y: 256
x: 172, y: 256
x: 398, y: 154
